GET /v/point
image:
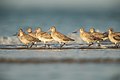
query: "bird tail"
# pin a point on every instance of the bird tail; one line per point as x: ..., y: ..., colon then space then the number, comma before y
x: 71, y: 39
x: 37, y: 40
x: 68, y: 39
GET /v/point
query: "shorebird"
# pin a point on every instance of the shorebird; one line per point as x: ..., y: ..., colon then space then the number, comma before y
x: 33, y: 34
x: 100, y: 36
x: 87, y: 37
x: 114, y: 37
x: 30, y: 32
x: 59, y: 37
x: 43, y: 36
x: 26, y: 39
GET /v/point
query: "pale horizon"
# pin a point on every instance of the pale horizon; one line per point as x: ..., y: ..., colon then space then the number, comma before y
x: 61, y: 4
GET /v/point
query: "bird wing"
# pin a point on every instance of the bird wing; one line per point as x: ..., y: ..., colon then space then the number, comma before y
x: 32, y: 34
x: 117, y: 33
x: 117, y: 37
x: 46, y: 35
x: 105, y: 34
x: 89, y: 36
x: 30, y: 38
x: 40, y: 34
x: 98, y: 35
x: 63, y: 37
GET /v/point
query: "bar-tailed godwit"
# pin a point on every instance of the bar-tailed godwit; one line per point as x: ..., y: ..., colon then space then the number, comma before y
x: 26, y: 39
x: 114, y: 37
x: 43, y: 36
x: 59, y: 37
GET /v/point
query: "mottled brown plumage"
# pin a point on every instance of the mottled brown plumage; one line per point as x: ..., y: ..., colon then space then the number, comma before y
x: 100, y: 36
x: 31, y: 33
x: 87, y: 37
x: 43, y: 36
x: 114, y: 37
x: 25, y: 38
x: 59, y: 37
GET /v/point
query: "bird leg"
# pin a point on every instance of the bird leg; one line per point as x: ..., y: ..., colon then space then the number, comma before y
x: 99, y: 44
x: 62, y: 45
x: 45, y: 45
x: 27, y: 46
x: 31, y: 44
x: 35, y: 44
x: 90, y: 44
x: 117, y: 45
x: 48, y: 45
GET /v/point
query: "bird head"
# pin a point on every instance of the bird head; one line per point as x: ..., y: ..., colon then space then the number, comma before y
x: 52, y: 29
x: 81, y: 30
x: 29, y: 30
x: 92, y: 30
x: 110, y: 30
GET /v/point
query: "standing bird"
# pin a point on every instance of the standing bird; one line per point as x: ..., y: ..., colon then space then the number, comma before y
x: 100, y: 36
x: 43, y: 36
x: 114, y: 37
x: 87, y: 37
x: 33, y: 34
x: 59, y: 37
x: 30, y: 32
x: 26, y: 39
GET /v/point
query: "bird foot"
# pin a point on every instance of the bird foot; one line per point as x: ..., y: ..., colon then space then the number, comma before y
x: 90, y: 44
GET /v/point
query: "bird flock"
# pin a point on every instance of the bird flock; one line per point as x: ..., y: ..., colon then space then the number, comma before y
x: 52, y: 35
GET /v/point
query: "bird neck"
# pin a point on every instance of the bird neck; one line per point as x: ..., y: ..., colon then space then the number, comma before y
x: 54, y: 30
x: 21, y: 33
x: 30, y: 32
x: 82, y: 31
x: 110, y: 32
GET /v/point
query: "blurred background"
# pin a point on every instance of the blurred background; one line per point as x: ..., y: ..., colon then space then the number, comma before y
x: 66, y: 15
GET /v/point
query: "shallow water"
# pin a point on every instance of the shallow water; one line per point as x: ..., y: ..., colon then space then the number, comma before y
x: 59, y: 71
x: 61, y: 54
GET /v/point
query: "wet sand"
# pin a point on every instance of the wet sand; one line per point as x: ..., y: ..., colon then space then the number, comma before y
x: 63, y: 58
x: 68, y: 63
x: 53, y: 47
x: 35, y: 60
